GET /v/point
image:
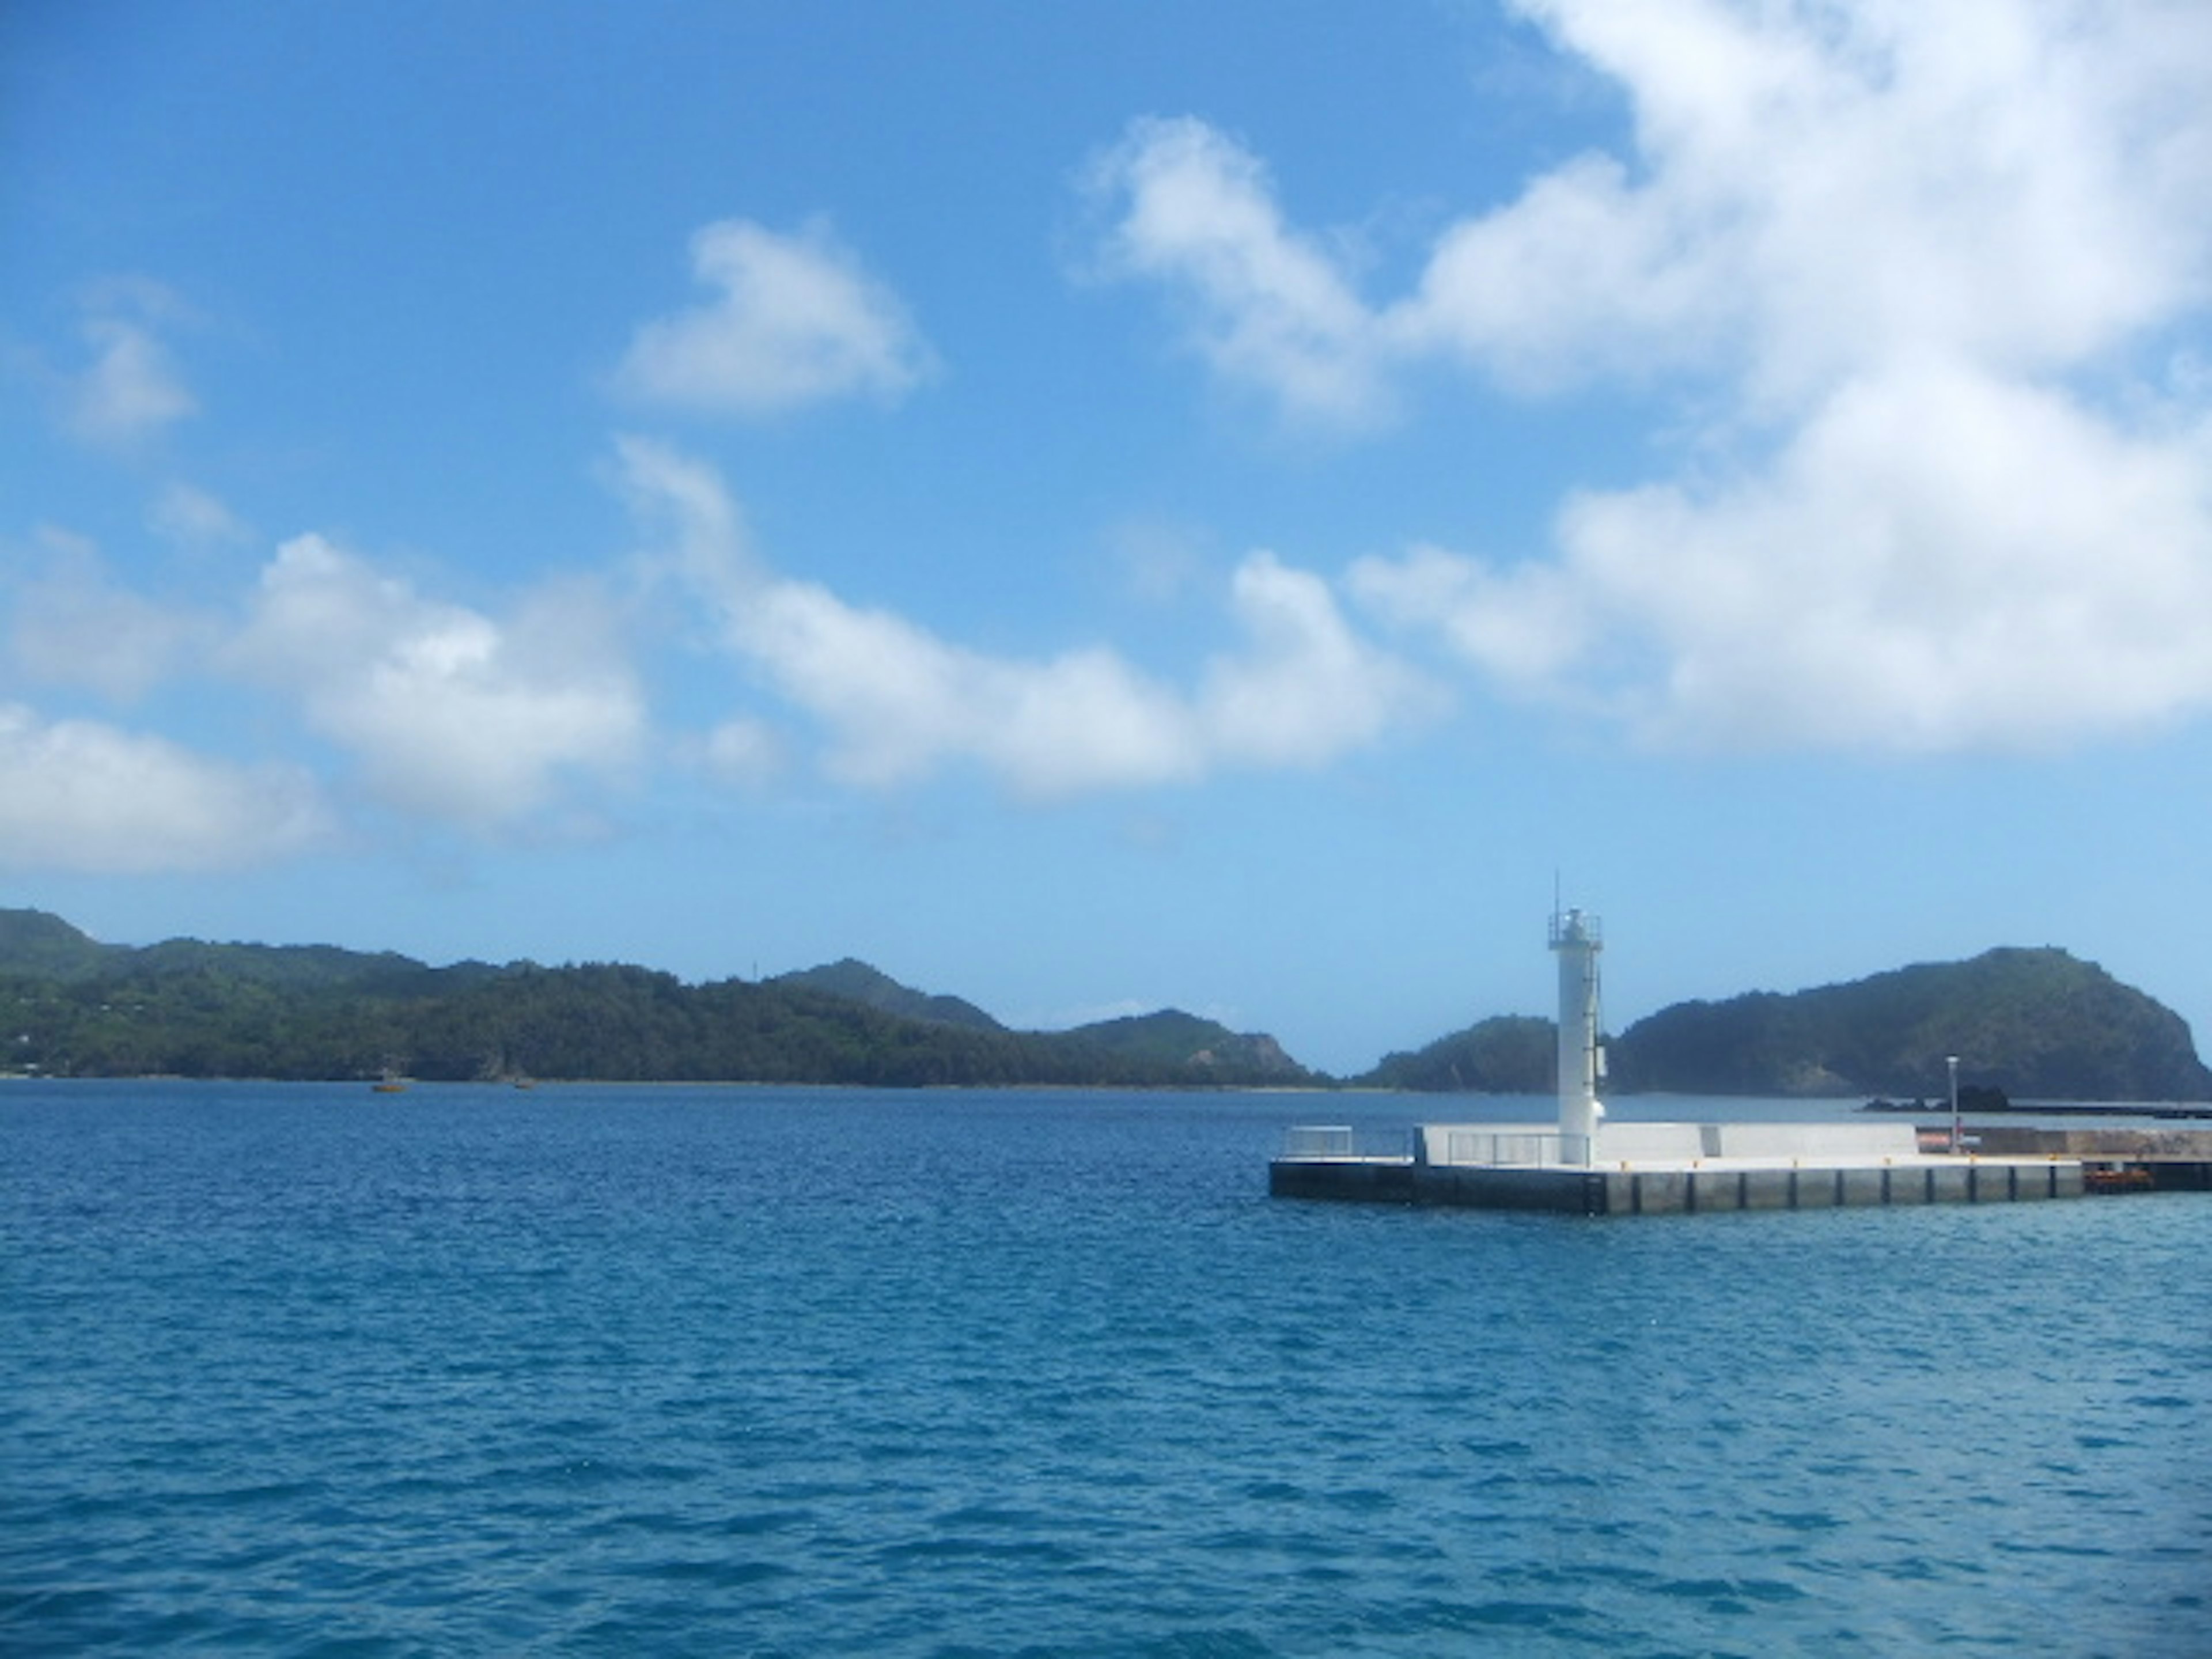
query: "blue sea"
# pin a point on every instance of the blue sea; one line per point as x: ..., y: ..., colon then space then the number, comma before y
x: 590, y: 1370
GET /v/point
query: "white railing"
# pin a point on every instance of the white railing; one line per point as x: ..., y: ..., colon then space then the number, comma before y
x: 1316, y: 1142
x: 1576, y: 927
x: 1520, y: 1148
x: 1447, y: 1146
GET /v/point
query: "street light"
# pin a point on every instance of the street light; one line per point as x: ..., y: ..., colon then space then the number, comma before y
x: 1957, y: 1140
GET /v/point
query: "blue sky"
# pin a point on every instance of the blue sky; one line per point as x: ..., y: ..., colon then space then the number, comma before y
x: 1099, y: 506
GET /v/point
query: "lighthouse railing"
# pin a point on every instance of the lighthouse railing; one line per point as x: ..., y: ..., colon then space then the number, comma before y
x: 1577, y: 927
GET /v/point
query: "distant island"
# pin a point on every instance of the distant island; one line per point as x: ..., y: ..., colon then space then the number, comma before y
x: 2035, y: 1024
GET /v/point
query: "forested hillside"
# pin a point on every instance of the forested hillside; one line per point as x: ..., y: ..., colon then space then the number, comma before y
x: 1506, y: 1054
x: 2039, y: 1025
x: 856, y: 981
x: 69, y: 1006
x: 2036, y: 1024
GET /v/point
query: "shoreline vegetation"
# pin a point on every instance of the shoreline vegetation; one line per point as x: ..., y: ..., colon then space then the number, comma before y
x: 2034, y: 1024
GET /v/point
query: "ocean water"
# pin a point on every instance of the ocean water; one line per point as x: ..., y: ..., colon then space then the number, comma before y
x: 306, y: 1370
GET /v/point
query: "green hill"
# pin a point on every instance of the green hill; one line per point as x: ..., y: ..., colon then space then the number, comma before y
x: 186, y: 1008
x: 33, y: 942
x: 1187, y: 1043
x: 856, y: 981
x: 2039, y: 1025
x: 1508, y: 1055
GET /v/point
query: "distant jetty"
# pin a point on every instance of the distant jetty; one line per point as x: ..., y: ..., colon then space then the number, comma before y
x: 1978, y: 1103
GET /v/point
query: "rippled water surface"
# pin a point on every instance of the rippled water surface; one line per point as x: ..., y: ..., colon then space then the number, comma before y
x: 768, y: 1372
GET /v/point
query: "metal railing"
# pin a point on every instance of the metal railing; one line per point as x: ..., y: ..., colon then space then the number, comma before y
x: 1518, y: 1147
x: 1577, y: 927
x: 1526, y: 1149
x: 1318, y: 1142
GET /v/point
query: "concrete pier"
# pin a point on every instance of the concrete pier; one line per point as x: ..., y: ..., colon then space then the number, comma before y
x: 1583, y: 1164
x: 1668, y: 1169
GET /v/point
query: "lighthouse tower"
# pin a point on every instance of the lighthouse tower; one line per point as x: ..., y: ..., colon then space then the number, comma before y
x: 1577, y: 939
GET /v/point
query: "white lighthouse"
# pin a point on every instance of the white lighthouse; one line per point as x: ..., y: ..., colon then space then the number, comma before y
x: 1577, y: 939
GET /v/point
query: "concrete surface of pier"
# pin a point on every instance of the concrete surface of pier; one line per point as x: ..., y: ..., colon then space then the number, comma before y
x: 1657, y: 1168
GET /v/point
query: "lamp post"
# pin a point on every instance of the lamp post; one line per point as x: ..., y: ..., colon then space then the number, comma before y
x: 1957, y: 1140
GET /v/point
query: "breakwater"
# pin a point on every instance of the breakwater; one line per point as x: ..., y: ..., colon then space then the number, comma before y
x: 1663, y: 1169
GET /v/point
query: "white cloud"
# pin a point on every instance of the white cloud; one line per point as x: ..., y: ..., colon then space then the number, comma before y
x: 131, y: 387
x: 480, y: 721
x: 81, y: 795
x: 130, y: 390
x: 1306, y: 688
x: 1943, y: 559
x: 706, y: 544
x: 74, y: 626
x: 897, y: 703
x: 188, y: 516
x: 1881, y: 254
x: 1266, y: 306
x: 1583, y: 276
x: 796, y: 321
x: 742, y: 751
x: 1884, y: 586
x: 2020, y: 182
x: 451, y: 714
x: 1525, y: 624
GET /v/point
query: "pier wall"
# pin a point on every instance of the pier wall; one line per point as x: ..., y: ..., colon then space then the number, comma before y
x: 1683, y: 1191
x: 2155, y: 1160
x: 1838, y: 1186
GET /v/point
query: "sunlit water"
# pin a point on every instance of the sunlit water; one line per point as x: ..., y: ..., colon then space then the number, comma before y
x: 309, y: 1371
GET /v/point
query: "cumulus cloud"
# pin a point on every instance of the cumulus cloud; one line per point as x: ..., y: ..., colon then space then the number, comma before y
x: 2018, y: 182
x: 85, y: 796
x: 1305, y: 687
x: 1896, y: 260
x: 450, y: 713
x: 73, y: 625
x: 796, y: 321
x: 1887, y: 584
x: 487, y: 723
x: 897, y: 703
x: 1266, y: 306
x: 131, y: 389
